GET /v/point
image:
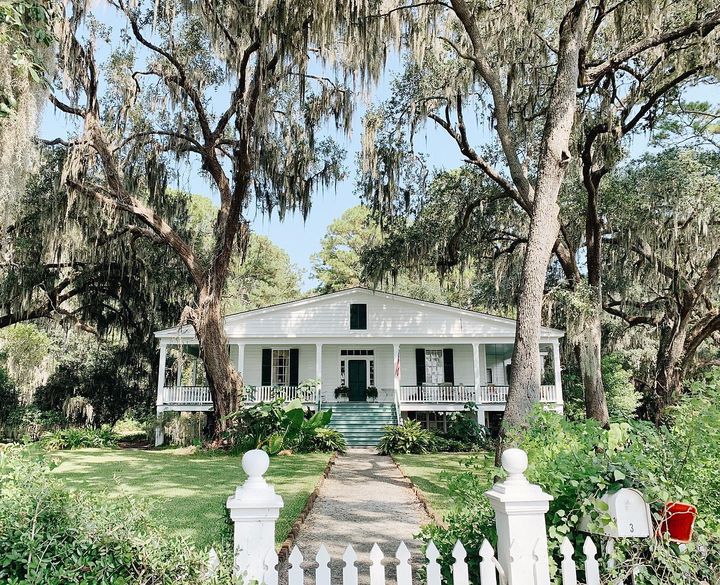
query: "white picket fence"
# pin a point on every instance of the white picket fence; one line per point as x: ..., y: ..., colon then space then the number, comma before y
x: 522, y: 551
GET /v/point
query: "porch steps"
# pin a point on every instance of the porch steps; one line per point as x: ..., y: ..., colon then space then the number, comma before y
x: 362, y: 423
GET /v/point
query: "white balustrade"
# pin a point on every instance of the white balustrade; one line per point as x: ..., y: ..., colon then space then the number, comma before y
x: 437, y: 393
x: 253, y: 394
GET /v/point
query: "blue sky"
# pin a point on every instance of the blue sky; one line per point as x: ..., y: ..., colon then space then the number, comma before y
x: 302, y: 238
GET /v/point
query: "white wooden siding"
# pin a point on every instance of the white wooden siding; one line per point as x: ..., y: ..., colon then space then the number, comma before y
x: 462, y: 366
x: 497, y: 362
x: 253, y: 362
x: 386, y: 317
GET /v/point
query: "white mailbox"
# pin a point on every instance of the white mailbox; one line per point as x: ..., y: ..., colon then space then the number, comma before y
x: 630, y: 513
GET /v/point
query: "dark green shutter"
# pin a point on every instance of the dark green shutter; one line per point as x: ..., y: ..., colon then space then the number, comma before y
x: 266, y: 366
x: 420, y: 365
x: 448, y: 366
x: 294, y: 366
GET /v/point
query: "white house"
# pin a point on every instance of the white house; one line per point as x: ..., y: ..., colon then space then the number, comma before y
x: 425, y: 360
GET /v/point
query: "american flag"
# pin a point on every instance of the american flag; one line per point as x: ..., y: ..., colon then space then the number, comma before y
x: 397, y: 365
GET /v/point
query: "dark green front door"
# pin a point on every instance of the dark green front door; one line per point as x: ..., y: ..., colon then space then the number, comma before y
x: 357, y: 375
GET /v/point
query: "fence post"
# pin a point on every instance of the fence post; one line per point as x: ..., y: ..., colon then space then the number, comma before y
x: 520, y: 520
x: 254, y: 508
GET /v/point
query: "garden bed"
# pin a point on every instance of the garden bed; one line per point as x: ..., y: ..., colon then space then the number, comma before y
x: 187, y: 493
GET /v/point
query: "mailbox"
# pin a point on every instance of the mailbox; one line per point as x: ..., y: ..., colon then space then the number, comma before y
x: 630, y: 513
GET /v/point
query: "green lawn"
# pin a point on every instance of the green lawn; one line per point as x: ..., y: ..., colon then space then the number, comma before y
x: 187, y: 493
x: 427, y: 473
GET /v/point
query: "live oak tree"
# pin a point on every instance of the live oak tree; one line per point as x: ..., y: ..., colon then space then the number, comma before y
x: 235, y: 88
x: 528, y: 68
x: 662, y: 253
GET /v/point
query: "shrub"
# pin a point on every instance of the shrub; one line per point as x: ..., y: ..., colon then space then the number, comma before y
x: 51, y: 535
x: 323, y: 439
x: 8, y: 397
x: 577, y: 462
x: 274, y: 426
x: 463, y: 428
x: 408, y: 438
x: 29, y: 423
x: 78, y: 438
x: 341, y: 391
x: 372, y: 392
x: 622, y: 397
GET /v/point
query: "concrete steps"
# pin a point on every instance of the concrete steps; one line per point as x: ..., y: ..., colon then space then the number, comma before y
x: 362, y: 423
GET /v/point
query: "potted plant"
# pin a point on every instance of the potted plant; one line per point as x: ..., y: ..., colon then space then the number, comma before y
x: 372, y: 393
x: 342, y: 392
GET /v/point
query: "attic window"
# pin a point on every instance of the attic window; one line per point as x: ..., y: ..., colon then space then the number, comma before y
x: 358, y: 316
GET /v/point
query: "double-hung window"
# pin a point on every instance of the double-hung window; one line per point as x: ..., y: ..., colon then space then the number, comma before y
x: 280, y: 367
x: 434, y: 370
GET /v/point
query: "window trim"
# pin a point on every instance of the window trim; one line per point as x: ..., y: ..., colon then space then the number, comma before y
x: 437, y: 363
x: 273, y: 373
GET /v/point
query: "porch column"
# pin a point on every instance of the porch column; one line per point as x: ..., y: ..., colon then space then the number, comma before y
x: 318, y: 366
x: 240, y: 366
x: 558, y: 377
x: 478, y: 382
x: 397, y: 374
x: 159, y: 429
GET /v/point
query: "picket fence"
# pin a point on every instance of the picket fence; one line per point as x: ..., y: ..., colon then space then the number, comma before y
x: 521, y: 559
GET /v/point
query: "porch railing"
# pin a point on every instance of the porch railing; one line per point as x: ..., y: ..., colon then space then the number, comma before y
x: 186, y: 395
x: 201, y: 394
x: 458, y: 393
x: 437, y: 393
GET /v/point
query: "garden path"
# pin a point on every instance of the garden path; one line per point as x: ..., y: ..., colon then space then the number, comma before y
x: 364, y: 500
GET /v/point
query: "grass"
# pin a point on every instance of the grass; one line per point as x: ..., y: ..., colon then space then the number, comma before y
x: 187, y: 493
x: 430, y: 474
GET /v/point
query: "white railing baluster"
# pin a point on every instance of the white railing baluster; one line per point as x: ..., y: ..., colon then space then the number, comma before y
x: 567, y: 567
x: 322, y: 573
x: 592, y: 570
x: 487, y: 566
x: 296, y: 574
x: 404, y: 571
x: 271, y: 572
x: 460, y: 568
x: 377, y: 570
x: 350, y: 570
x: 433, y: 567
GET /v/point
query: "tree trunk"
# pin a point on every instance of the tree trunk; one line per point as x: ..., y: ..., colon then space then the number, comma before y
x: 669, y: 374
x: 224, y: 381
x: 544, y: 225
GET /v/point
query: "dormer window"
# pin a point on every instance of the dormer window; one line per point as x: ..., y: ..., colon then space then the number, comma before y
x: 358, y: 316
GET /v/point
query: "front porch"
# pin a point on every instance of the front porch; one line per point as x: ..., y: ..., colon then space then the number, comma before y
x: 421, y: 376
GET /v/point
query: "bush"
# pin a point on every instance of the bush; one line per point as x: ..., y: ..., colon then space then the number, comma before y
x: 51, y: 535
x: 323, y: 439
x: 275, y: 426
x: 577, y: 462
x: 622, y: 397
x: 79, y: 438
x: 408, y: 438
x: 29, y: 423
x: 464, y: 429
x: 8, y: 397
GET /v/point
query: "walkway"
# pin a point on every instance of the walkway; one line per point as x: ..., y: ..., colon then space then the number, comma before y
x: 364, y: 500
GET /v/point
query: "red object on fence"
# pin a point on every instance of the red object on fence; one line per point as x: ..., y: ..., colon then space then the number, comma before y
x: 678, y: 521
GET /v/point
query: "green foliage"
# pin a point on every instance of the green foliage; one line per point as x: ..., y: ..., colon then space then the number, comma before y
x: 407, y: 438
x: 577, y: 462
x: 79, y: 438
x: 29, y: 423
x: 341, y: 391
x: 371, y: 392
x: 622, y: 397
x: 103, y: 377
x: 274, y: 426
x: 51, y: 535
x: 322, y: 440
x: 8, y: 397
x: 464, y: 429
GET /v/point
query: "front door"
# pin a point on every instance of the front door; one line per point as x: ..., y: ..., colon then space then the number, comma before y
x: 357, y: 376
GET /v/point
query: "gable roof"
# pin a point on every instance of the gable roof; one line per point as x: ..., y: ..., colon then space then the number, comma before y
x: 309, y: 301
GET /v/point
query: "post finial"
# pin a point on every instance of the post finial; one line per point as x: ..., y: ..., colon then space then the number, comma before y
x: 255, y: 463
x: 515, y: 462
